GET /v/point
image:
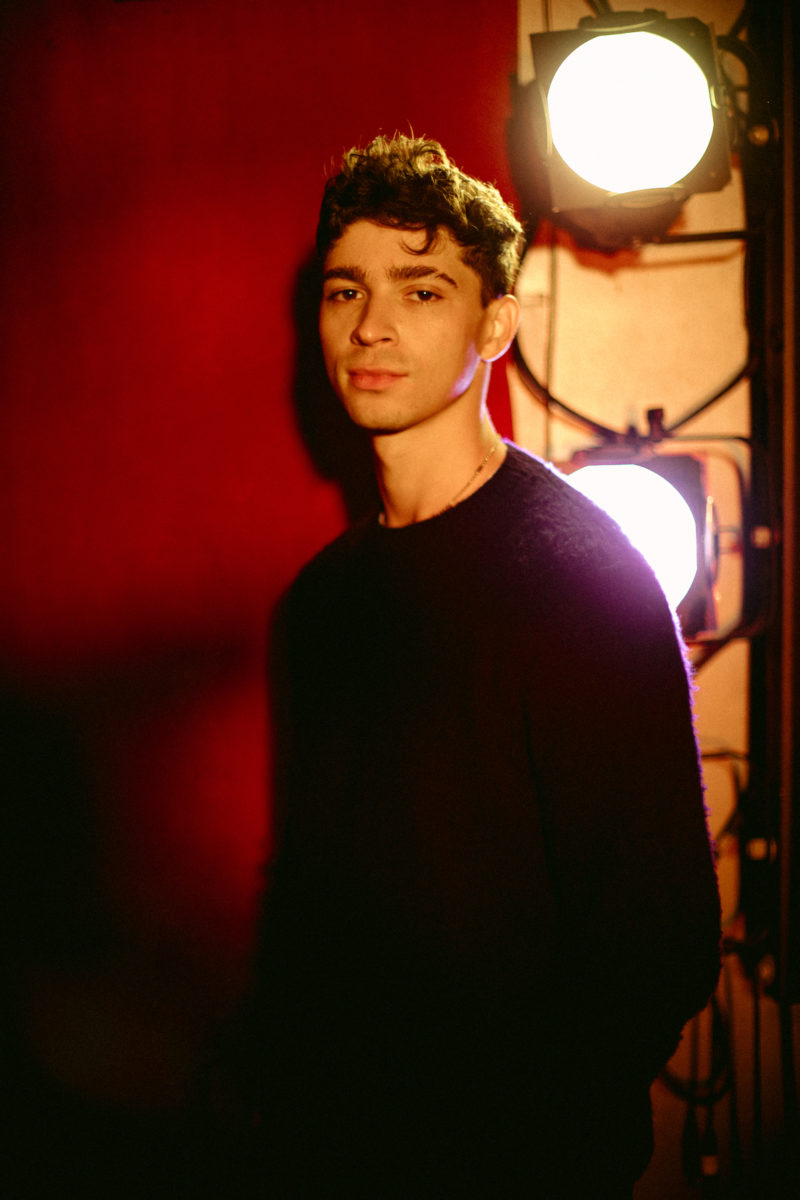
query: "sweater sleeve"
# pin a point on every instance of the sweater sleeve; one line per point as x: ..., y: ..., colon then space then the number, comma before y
x: 616, y: 766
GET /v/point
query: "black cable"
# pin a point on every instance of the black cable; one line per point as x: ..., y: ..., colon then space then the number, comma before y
x: 697, y: 1091
x: 739, y: 115
x: 734, y: 1133
x: 730, y: 44
x: 690, y: 1137
x: 709, y: 1157
x: 700, y: 1152
x: 758, y: 1120
x: 740, y: 23
x: 732, y: 758
x: 544, y: 396
x: 745, y: 372
x: 791, y: 1116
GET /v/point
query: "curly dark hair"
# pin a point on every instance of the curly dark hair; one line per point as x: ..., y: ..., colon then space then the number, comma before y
x: 410, y: 183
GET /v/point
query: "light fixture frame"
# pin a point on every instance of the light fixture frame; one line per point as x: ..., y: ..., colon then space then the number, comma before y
x: 604, y: 219
x: 686, y: 472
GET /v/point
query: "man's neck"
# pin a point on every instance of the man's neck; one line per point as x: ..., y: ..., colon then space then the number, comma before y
x: 422, y: 473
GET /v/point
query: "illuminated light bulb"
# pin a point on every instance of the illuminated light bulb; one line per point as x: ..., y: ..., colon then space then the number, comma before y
x: 630, y: 112
x: 653, y: 514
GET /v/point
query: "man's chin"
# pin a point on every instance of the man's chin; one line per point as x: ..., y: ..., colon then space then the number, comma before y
x: 372, y: 423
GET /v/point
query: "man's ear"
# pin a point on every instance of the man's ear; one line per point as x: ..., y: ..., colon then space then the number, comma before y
x: 502, y: 320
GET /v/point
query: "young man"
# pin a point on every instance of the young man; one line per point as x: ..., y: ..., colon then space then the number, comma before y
x: 493, y: 905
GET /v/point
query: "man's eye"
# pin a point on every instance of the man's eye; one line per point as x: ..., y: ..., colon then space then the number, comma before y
x: 344, y: 294
x: 424, y: 296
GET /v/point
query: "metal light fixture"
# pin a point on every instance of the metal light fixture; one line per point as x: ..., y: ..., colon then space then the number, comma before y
x: 661, y: 502
x: 624, y: 120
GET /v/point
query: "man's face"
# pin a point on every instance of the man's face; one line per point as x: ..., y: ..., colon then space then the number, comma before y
x: 401, y: 332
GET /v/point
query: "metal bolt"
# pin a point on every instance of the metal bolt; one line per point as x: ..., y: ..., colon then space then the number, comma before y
x: 761, y: 537
x: 759, y: 135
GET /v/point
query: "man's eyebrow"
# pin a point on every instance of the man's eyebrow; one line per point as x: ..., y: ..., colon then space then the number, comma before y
x: 397, y: 274
x: 352, y: 274
x: 419, y: 272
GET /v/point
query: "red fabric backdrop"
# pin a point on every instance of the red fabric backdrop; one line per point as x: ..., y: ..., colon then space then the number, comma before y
x: 162, y: 451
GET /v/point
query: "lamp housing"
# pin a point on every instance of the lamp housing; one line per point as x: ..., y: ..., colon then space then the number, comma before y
x: 625, y: 111
x: 686, y: 474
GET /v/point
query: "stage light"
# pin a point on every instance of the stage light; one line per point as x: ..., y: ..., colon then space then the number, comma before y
x: 631, y: 112
x: 624, y: 120
x: 655, y: 517
x: 661, y: 503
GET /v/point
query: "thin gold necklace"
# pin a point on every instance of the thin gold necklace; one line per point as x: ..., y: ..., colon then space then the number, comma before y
x: 497, y: 442
x: 470, y: 481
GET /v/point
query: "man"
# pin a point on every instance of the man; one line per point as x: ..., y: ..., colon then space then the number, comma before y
x: 493, y: 905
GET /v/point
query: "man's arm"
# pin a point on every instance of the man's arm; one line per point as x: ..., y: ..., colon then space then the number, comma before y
x: 615, y: 761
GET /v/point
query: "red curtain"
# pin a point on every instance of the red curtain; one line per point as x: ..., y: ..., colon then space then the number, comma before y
x: 168, y: 461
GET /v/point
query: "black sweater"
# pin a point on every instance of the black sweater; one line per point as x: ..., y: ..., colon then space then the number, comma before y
x: 493, y: 905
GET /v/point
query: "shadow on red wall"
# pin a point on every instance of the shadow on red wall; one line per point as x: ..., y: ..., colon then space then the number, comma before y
x: 170, y: 457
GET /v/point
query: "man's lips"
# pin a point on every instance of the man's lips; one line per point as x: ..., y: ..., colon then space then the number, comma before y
x: 373, y: 378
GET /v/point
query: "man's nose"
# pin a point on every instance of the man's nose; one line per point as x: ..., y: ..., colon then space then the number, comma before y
x: 375, y: 323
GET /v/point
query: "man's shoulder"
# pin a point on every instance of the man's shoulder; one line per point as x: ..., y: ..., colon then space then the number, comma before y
x: 527, y: 528
x: 560, y: 522
x: 569, y: 550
